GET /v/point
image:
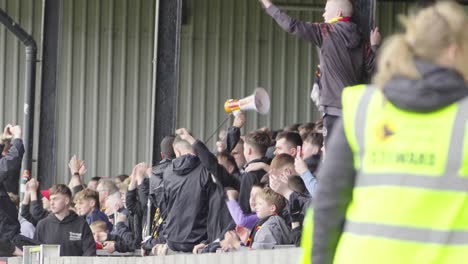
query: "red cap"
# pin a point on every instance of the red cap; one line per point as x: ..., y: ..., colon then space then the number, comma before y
x: 46, y: 194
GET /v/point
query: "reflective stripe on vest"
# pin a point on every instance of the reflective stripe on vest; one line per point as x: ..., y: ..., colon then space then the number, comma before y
x: 410, y: 201
x: 307, y: 237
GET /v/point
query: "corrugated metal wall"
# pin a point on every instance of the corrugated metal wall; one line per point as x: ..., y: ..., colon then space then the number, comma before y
x: 104, y: 86
x: 231, y: 47
x: 28, y: 14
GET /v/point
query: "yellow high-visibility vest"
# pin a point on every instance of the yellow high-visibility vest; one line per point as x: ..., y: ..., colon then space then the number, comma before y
x: 306, y: 238
x: 410, y: 199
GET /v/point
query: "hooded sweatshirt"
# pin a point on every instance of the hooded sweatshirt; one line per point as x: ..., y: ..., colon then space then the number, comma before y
x: 273, y: 231
x: 439, y: 87
x: 72, y: 234
x: 345, y: 59
x: 187, y: 185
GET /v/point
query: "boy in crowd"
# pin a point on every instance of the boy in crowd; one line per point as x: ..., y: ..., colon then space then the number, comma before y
x: 270, y: 229
x: 65, y: 227
x: 109, y: 241
x: 87, y: 204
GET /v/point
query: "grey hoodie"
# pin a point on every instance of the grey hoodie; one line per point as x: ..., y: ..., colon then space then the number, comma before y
x: 439, y: 87
x: 345, y: 59
x: 273, y: 232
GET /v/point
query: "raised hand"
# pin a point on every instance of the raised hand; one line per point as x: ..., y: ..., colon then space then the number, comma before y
x: 299, y: 163
x: 375, y: 37
x: 185, y: 135
x: 239, y: 120
x: 75, y: 165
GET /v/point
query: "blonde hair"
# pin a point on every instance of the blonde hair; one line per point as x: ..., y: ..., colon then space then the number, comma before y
x: 87, y: 194
x: 98, y: 225
x: 428, y: 33
x: 272, y: 198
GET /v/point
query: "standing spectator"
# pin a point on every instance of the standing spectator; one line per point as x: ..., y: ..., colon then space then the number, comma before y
x: 219, y: 219
x: 187, y: 185
x: 65, y: 227
x: 11, y: 185
x: 345, y: 59
x: 10, y: 227
x: 398, y: 193
x: 155, y: 190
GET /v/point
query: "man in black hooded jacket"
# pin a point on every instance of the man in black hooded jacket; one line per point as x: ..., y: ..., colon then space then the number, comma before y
x: 219, y: 218
x: 187, y: 188
x: 152, y: 189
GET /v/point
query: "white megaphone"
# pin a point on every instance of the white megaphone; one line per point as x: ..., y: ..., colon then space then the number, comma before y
x: 259, y: 101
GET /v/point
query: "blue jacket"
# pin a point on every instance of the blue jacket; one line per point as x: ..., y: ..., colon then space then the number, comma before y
x: 97, y: 215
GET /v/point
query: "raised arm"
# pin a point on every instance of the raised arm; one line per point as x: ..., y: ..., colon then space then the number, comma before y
x: 210, y: 161
x: 306, y: 30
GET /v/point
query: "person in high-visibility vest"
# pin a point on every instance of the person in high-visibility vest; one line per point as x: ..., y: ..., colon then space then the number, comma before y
x: 394, y: 184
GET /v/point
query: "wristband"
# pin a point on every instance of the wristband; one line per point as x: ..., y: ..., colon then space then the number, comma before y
x: 76, y: 173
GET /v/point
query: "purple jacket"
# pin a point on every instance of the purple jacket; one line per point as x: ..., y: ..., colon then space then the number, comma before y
x: 247, y: 221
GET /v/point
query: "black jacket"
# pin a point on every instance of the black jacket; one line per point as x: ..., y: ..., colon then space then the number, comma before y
x: 187, y: 185
x: 6, y: 248
x: 9, y: 225
x: 72, y: 234
x: 12, y: 183
x: 37, y: 210
x: 124, y: 238
x: 297, y: 207
x: 219, y: 218
x: 248, y: 180
x: 135, y: 217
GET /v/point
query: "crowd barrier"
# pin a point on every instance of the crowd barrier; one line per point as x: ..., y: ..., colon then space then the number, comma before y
x: 275, y: 256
